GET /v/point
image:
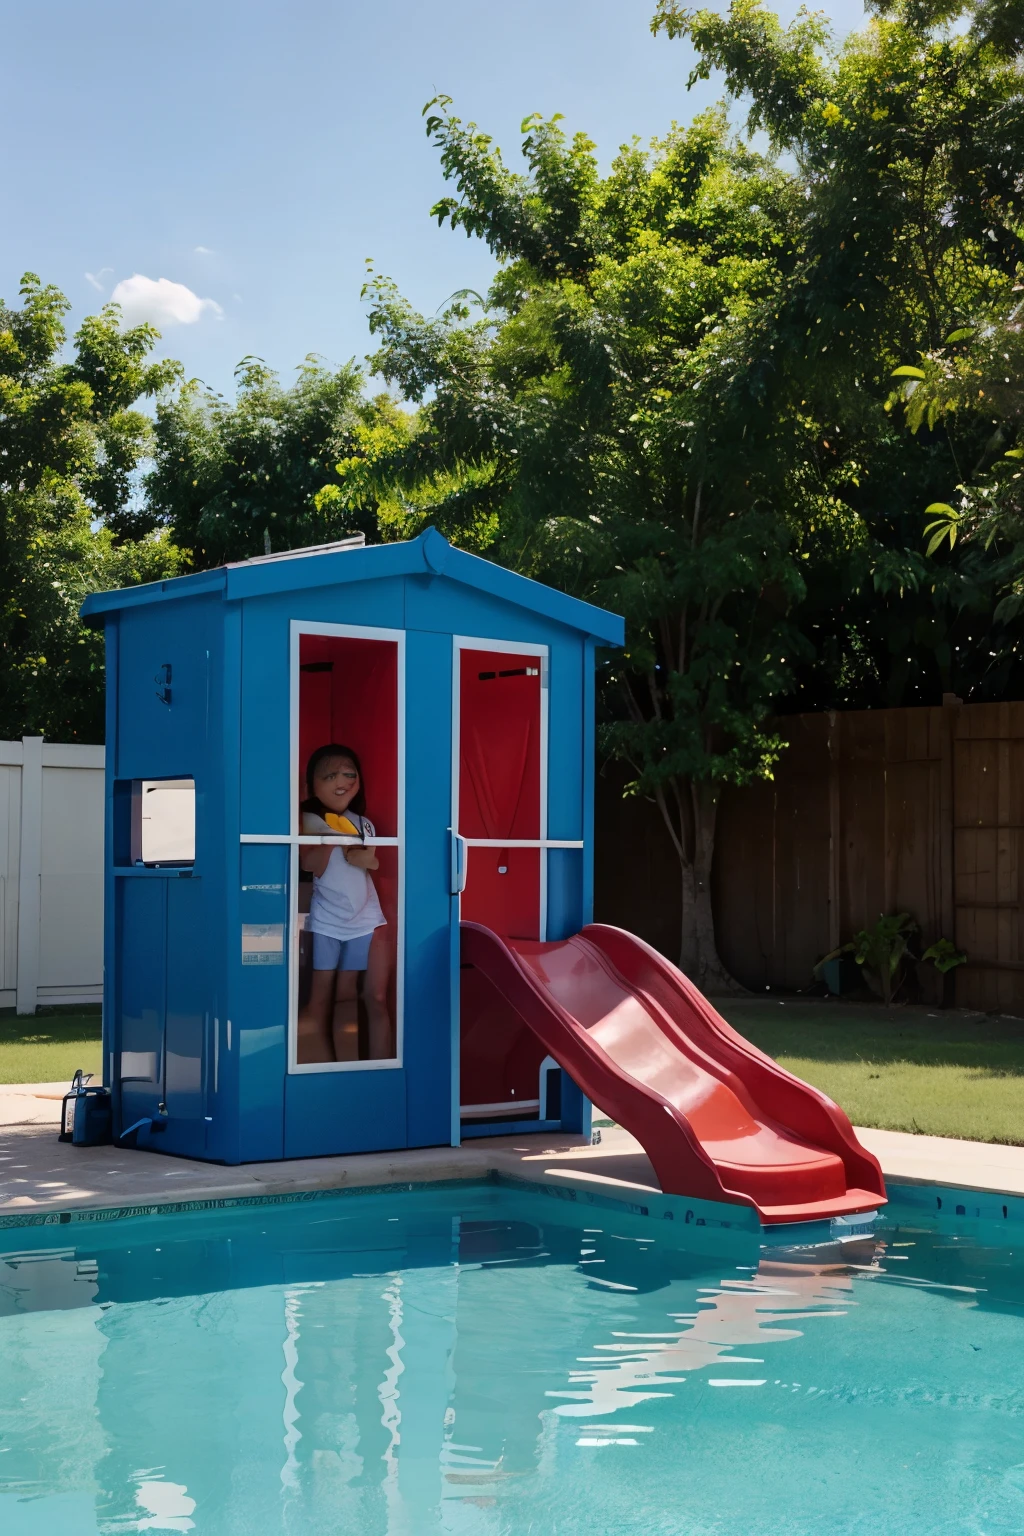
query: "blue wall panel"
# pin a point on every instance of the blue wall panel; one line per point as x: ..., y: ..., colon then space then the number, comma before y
x: 450, y: 607
x: 565, y: 892
x: 335, y: 1112
x: 225, y: 887
x: 428, y: 905
x: 565, y: 737
x: 154, y: 739
x: 141, y: 906
x: 188, y: 993
x: 168, y: 932
x: 259, y: 1009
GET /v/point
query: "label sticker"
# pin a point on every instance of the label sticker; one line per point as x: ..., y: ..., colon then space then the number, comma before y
x: 263, y: 943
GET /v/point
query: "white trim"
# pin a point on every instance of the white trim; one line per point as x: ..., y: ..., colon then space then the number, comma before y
x: 545, y: 672
x: 457, y: 648
x: 502, y: 647
x: 310, y: 841
x: 30, y: 877
x: 89, y: 992
x: 518, y: 842
x: 295, y: 840
x: 481, y: 1111
x: 85, y: 994
x: 72, y: 754
x: 354, y: 541
x: 549, y: 1064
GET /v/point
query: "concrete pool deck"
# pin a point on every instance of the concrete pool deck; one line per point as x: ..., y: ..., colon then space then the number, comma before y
x: 39, y: 1174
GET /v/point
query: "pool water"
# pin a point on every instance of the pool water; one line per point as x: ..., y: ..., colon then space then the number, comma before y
x: 479, y: 1360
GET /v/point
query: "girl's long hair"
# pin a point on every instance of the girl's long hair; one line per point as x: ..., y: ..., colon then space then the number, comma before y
x: 358, y: 801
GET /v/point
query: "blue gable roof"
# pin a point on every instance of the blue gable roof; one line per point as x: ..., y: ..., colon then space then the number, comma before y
x: 350, y: 560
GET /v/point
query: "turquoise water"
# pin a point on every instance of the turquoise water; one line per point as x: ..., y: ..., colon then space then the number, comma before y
x: 487, y: 1362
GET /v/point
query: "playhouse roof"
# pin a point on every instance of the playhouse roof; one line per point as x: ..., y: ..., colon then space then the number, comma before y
x: 327, y: 565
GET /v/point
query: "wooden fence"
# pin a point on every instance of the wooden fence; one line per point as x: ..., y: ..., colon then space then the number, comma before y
x: 918, y: 810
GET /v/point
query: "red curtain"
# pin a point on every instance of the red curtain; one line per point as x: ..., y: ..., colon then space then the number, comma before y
x: 348, y: 693
x: 499, y: 788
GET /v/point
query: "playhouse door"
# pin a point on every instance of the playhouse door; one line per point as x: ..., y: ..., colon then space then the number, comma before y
x: 500, y: 790
x: 345, y: 1088
x: 500, y: 813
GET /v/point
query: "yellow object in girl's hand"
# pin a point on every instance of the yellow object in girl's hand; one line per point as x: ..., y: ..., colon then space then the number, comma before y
x: 340, y: 824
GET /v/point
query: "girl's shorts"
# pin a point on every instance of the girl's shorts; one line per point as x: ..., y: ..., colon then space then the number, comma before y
x: 340, y: 954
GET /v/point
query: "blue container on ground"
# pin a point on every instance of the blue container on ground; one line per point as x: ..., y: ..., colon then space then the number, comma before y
x: 93, y: 1117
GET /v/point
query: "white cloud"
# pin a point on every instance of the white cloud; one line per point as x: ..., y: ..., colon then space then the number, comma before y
x: 96, y: 278
x: 204, y: 250
x: 161, y: 301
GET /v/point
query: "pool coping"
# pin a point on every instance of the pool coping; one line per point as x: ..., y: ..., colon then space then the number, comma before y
x: 105, y: 1184
x: 693, y: 1214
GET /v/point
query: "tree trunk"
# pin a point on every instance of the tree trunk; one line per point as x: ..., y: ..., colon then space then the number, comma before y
x: 699, y: 956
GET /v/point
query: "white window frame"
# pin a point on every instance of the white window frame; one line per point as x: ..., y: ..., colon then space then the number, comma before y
x: 462, y: 643
x: 295, y: 840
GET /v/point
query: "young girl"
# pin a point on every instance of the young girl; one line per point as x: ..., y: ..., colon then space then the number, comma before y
x: 343, y: 915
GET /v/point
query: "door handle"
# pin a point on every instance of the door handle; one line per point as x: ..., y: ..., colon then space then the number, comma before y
x: 459, y: 852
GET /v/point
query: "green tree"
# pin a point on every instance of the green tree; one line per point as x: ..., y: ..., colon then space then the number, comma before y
x: 70, y: 446
x: 584, y: 424
x: 908, y: 143
x: 979, y: 376
x: 236, y: 479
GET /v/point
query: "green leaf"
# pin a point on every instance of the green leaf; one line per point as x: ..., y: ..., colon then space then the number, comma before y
x: 944, y: 508
x: 1008, y: 608
x: 1014, y: 453
x: 906, y: 372
x: 961, y: 335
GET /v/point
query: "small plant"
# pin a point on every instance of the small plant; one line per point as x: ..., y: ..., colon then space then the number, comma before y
x: 881, y: 951
x: 944, y: 955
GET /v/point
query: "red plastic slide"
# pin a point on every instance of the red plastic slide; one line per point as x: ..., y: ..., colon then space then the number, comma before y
x: 718, y: 1119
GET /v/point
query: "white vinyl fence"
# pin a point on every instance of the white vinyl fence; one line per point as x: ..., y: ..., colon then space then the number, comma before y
x: 51, y: 873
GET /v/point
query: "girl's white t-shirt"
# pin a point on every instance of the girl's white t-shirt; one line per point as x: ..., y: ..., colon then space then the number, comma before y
x: 345, y: 904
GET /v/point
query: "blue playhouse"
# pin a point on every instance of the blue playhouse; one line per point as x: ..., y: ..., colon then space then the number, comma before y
x: 468, y: 693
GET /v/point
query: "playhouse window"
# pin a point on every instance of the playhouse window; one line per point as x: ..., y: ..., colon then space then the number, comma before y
x: 347, y: 1000
x: 160, y: 828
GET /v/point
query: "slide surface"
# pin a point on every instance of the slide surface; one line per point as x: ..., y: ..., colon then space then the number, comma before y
x: 718, y: 1119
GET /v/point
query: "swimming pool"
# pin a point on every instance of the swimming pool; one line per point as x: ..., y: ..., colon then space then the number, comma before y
x: 475, y: 1359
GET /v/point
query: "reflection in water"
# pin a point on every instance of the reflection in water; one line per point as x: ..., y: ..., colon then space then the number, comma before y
x: 391, y: 1417
x: 291, y: 1382
x: 347, y: 1370
x: 736, y: 1312
x: 165, y: 1506
x: 37, y: 1282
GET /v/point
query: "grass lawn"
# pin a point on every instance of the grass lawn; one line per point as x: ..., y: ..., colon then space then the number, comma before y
x: 50, y: 1048
x: 901, y: 1069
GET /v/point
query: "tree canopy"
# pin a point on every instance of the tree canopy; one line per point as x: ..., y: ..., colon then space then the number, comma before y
x: 231, y: 479
x: 908, y: 142
x: 583, y: 424
x: 686, y: 393
x: 70, y: 444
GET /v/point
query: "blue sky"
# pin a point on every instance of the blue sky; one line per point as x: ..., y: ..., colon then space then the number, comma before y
x: 256, y: 153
